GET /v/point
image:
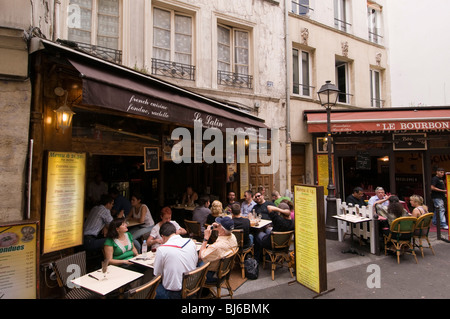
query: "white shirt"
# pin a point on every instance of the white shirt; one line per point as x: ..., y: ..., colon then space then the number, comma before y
x: 375, y: 198
x: 172, y: 259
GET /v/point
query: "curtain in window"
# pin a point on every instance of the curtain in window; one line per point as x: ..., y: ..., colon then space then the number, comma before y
x: 241, y: 52
x: 223, y: 49
x: 183, y: 39
x: 161, y: 34
x: 108, y: 24
x: 82, y: 31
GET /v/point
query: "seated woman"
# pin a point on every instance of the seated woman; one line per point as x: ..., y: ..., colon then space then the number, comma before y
x: 216, y: 210
x: 140, y: 213
x: 119, y: 247
x: 419, y: 208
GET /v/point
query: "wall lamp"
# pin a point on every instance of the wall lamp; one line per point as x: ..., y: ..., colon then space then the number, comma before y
x: 63, y: 114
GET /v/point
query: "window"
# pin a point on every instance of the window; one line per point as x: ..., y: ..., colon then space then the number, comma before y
x: 342, y: 80
x: 375, y: 89
x: 301, y: 72
x: 172, y: 44
x: 374, y: 22
x: 341, y: 19
x: 95, y: 22
x: 300, y: 7
x: 233, y: 57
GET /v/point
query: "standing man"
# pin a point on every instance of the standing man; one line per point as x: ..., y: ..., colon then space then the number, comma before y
x: 174, y: 257
x: 438, y: 195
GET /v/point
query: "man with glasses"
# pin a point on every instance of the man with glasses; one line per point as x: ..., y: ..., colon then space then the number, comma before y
x: 261, y: 206
x: 356, y: 198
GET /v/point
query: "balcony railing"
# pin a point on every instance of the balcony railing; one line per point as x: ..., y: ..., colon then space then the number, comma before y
x: 375, y: 37
x: 173, y: 69
x: 108, y: 54
x: 303, y: 89
x: 377, y: 102
x: 300, y: 9
x: 234, y: 79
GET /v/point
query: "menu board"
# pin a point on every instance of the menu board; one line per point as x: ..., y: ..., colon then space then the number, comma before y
x: 151, y: 158
x: 447, y: 183
x: 64, y: 205
x: 18, y: 261
x: 310, y: 253
x: 322, y: 171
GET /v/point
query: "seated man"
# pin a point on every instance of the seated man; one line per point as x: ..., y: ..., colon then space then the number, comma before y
x: 356, y: 197
x: 155, y: 239
x: 96, y: 224
x: 174, y: 257
x: 201, y: 212
x: 281, y: 222
x: 224, y: 245
x: 242, y: 223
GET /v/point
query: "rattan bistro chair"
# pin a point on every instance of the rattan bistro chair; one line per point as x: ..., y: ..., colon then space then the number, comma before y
x: 223, y: 273
x: 64, y: 270
x: 421, y: 231
x: 193, y: 281
x: 145, y: 291
x: 242, y: 252
x: 400, y: 235
x: 193, y: 229
x: 279, y: 251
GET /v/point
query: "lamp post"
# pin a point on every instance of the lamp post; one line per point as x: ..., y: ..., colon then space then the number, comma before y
x: 328, y: 95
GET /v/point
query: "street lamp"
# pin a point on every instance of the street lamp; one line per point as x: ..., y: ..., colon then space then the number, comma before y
x: 328, y: 95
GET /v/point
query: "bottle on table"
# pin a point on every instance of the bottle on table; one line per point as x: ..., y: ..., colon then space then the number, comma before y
x: 144, y: 249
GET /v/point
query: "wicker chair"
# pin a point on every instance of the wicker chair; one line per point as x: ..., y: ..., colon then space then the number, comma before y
x: 400, y: 235
x: 64, y: 270
x: 145, y: 291
x: 193, y: 281
x: 242, y: 252
x: 421, y: 231
x: 223, y: 273
x: 279, y: 251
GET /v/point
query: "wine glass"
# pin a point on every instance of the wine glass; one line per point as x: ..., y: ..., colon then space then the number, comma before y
x: 105, y: 268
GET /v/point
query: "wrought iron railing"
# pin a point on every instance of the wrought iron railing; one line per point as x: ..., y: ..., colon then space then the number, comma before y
x: 374, y: 37
x: 377, y: 102
x: 234, y: 79
x: 303, y: 89
x: 105, y: 53
x: 173, y: 69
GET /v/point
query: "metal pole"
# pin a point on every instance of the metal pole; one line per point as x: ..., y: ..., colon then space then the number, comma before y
x: 331, y: 223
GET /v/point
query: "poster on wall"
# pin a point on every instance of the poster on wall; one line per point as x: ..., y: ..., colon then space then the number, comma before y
x: 310, y: 250
x: 322, y: 171
x: 18, y: 261
x: 64, y: 204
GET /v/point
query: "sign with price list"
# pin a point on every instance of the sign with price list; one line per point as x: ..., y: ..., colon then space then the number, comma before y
x: 18, y: 261
x: 310, y: 250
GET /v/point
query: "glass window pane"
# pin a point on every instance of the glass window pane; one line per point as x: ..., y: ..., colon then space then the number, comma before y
x: 223, y: 48
x: 305, y: 73
x: 295, y: 71
x: 161, y: 19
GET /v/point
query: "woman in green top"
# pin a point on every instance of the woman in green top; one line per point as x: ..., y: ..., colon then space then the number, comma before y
x: 119, y: 243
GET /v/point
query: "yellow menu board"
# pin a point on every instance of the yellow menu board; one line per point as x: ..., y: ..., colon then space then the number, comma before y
x: 64, y: 201
x: 310, y: 254
x: 18, y: 261
x: 447, y: 181
x: 322, y: 171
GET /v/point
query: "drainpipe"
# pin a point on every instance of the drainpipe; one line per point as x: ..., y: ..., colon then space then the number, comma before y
x: 288, y: 108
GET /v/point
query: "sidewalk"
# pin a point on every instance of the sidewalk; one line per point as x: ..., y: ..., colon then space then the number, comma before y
x: 348, y: 276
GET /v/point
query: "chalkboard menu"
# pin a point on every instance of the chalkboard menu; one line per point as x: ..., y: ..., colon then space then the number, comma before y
x: 363, y: 161
x: 151, y: 158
